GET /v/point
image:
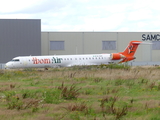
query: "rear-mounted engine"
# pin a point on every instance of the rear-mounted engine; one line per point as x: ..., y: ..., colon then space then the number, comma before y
x: 116, y: 56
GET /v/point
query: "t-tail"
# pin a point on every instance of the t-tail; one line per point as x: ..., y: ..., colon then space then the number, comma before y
x: 129, y: 52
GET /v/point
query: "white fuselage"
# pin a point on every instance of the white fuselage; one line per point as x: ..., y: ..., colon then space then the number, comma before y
x: 59, y: 61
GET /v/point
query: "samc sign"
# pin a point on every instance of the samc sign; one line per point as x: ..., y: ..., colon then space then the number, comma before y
x: 146, y: 37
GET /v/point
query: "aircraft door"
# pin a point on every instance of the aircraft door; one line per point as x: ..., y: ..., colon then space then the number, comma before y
x: 25, y: 62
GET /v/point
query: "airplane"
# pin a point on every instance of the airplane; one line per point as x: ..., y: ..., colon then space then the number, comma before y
x: 73, y: 60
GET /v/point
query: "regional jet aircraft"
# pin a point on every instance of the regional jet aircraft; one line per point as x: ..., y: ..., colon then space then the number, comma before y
x: 74, y: 60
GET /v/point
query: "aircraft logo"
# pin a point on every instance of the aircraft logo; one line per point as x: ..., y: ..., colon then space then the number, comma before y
x: 131, y: 49
x: 56, y: 60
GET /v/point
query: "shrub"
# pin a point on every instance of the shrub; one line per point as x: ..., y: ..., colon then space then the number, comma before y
x: 109, y: 107
x: 69, y: 92
x: 115, y: 66
x: 17, y: 101
x: 77, y: 107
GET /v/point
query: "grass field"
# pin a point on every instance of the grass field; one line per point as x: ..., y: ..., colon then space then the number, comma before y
x: 81, y: 93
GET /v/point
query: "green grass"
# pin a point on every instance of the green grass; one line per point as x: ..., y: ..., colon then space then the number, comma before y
x: 86, y: 92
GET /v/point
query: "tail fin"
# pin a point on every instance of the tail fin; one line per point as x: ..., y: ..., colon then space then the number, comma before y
x: 130, y: 51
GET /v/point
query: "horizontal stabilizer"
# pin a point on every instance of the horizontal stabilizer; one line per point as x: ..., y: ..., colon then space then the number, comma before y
x: 146, y: 43
x: 139, y: 42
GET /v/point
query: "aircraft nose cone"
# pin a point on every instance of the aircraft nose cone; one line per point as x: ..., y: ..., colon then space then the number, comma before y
x: 7, y: 66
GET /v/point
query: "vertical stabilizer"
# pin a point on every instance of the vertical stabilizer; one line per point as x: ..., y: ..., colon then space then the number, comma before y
x: 130, y: 51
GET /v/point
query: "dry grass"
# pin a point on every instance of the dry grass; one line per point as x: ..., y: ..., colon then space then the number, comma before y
x: 95, y: 86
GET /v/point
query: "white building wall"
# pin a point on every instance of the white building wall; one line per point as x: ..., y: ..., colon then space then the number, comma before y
x: 155, y: 53
x: 91, y: 43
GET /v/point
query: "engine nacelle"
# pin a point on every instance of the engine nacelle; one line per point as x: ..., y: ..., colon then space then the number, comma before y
x: 116, y: 56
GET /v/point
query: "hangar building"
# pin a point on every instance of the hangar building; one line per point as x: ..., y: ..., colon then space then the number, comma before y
x: 62, y: 43
x: 19, y: 37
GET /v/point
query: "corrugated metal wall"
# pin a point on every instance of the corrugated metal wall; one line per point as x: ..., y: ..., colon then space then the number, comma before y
x: 19, y: 37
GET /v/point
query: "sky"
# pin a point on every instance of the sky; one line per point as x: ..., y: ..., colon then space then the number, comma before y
x: 87, y: 15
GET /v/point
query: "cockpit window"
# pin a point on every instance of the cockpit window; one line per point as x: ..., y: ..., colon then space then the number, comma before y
x: 15, y: 60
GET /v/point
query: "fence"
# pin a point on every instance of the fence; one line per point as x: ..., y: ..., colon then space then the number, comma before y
x: 144, y: 63
x: 2, y: 65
